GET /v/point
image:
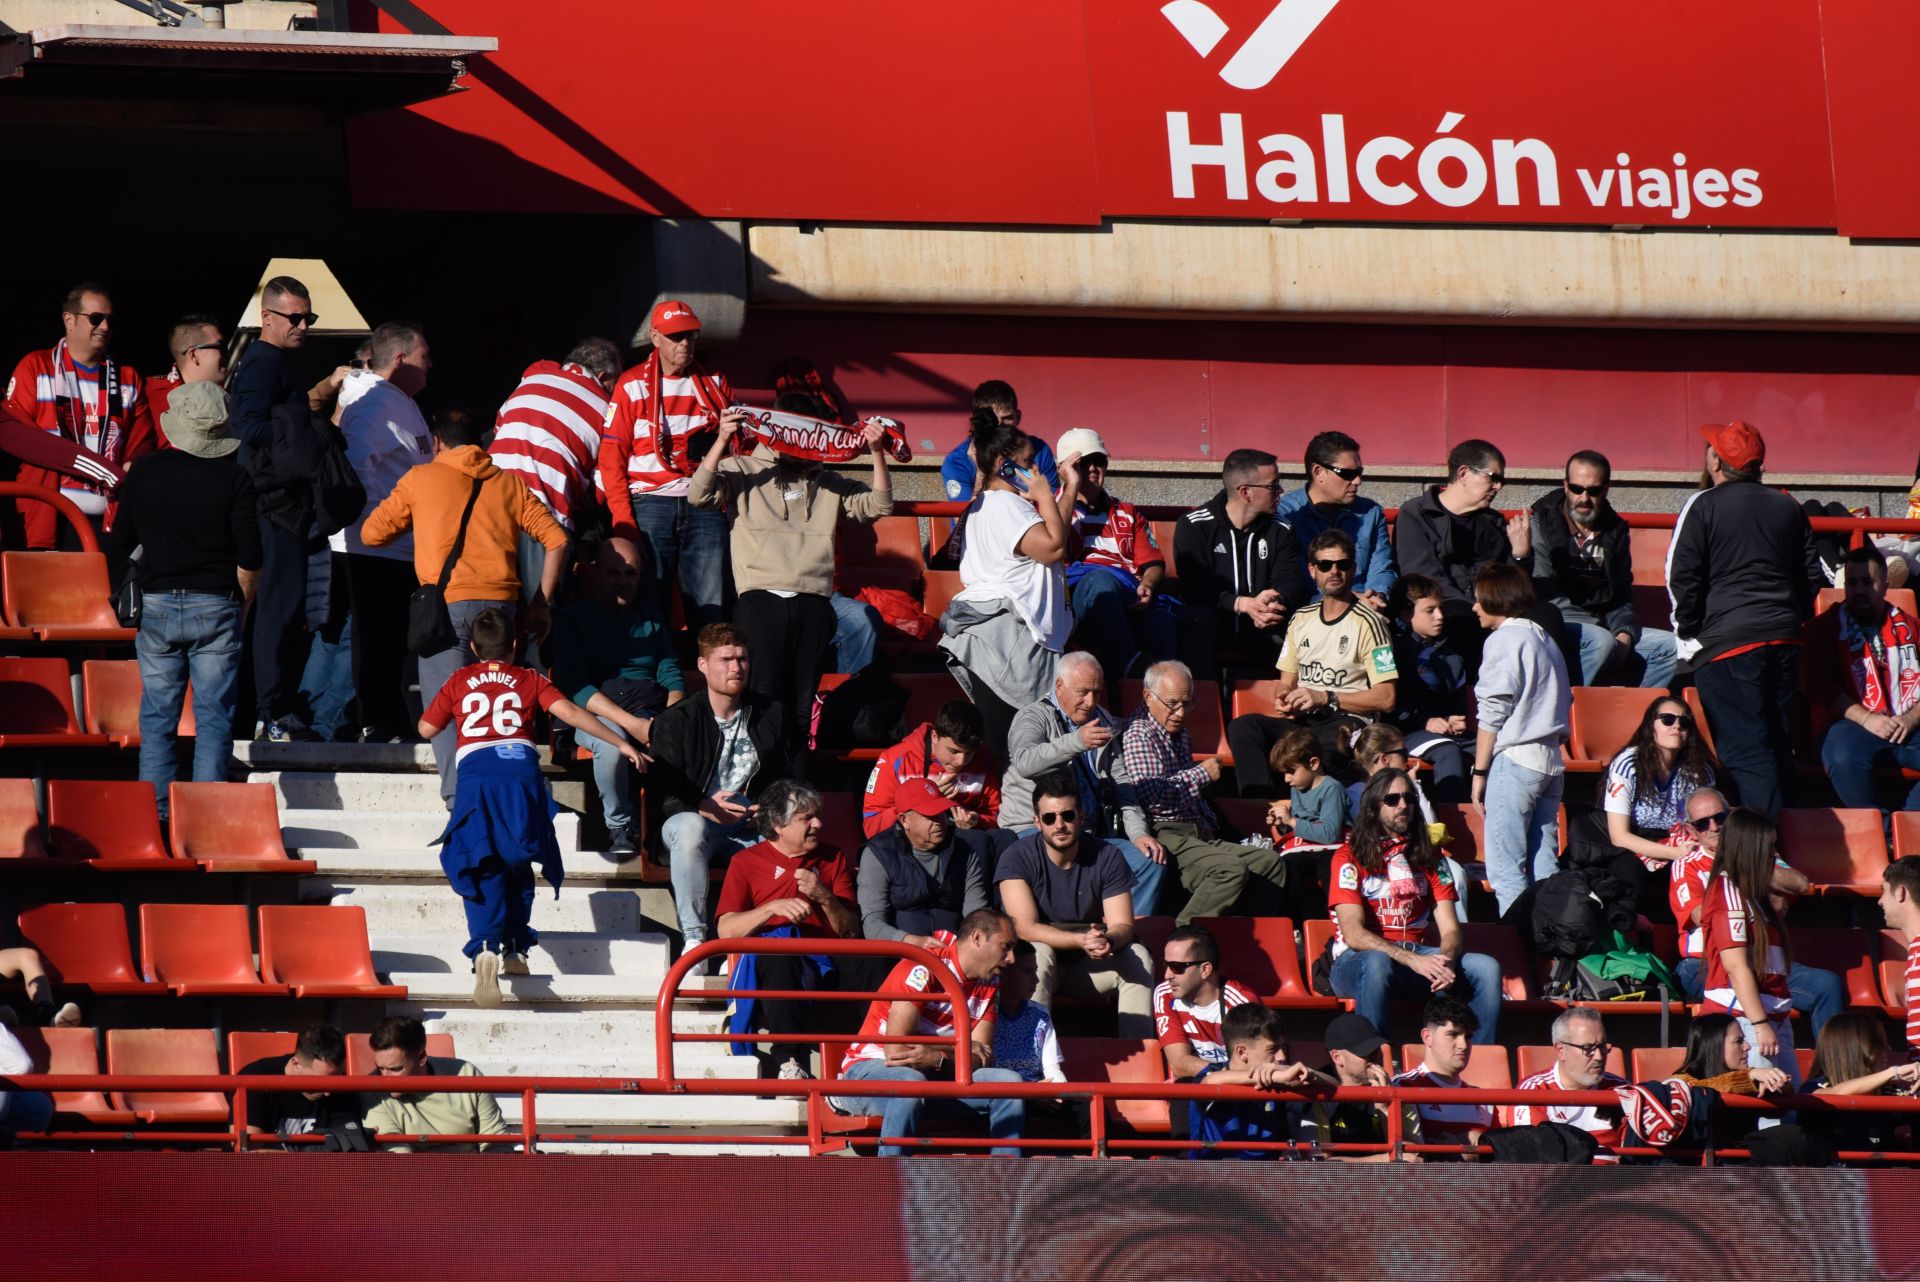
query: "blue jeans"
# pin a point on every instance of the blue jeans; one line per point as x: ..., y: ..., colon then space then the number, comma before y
x: 1658, y: 651
x: 1522, y: 835
x: 327, y: 683
x: 436, y: 668
x: 1117, y: 634
x: 1372, y: 979
x: 498, y: 920
x: 187, y: 636
x: 900, y: 1116
x: 1818, y: 994
x: 1852, y: 753
x: 694, y: 843
x: 1147, y: 875
x: 688, y: 544
x: 611, y: 778
x: 856, y: 633
x: 31, y: 1111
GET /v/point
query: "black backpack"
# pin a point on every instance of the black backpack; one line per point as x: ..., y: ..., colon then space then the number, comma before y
x: 338, y: 496
x: 1569, y: 920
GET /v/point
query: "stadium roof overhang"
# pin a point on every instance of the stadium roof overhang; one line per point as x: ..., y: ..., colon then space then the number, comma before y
x: 345, y: 72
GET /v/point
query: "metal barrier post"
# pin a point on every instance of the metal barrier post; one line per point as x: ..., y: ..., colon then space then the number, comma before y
x: 240, y: 1120
x: 528, y: 1127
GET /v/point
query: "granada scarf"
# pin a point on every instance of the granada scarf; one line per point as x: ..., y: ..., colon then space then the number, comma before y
x: 1884, y: 665
x: 816, y: 440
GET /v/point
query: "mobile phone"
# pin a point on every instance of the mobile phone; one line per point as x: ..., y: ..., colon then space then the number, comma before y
x: 1013, y: 474
x: 356, y: 363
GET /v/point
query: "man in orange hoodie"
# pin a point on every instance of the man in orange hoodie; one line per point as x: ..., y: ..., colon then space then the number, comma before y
x: 429, y: 500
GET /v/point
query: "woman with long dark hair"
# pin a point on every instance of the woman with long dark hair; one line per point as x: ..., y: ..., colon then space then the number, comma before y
x: 1649, y: 781
x: 1718, y: 1058
x: 1746, y: 946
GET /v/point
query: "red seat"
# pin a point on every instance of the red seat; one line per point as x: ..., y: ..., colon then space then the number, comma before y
x: 1604, y: 721
x: 1317, y: 937
x: 166, y: 1052
x: 1893, y: 970
x: 1651, y: 1063
x: 62, y: 596
x: 20, y: 835
x: 36, y: 705
x: 1906, y: 833
x: 1467, y: 829
x: 1253, y: 696
x: 320, y: 951
x: 840, y: 825
x: 1854, y: 955
x: 1121, y: 1059
x: 1843, y: 852
x: 849, y: 579
x: 110, y: 693
x: 360, y: 1051
x: 1205, y: 730
x: 229, y: 827
x: 110, y: 824
x: 891, y: 541
x: 934, y: 551
x: 1502, y: 943
x: 73, y: 1051
x: 1535, y: 1060
x: 1151, y: 934
x: 942, y: 587
x: 244, y: 1048
x: 1487, y: 1067
x: 86, y: 946
x: 1259, y: 954
x: 201, y: 950
x: 1649, y: 549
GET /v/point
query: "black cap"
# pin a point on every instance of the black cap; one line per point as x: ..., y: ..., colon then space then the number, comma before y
x: 1354, y: 1034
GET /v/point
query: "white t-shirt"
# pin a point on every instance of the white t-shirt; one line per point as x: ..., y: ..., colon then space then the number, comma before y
x: 991, y: 570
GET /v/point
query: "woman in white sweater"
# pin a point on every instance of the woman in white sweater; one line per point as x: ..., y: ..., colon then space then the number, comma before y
x: 1524, y: 697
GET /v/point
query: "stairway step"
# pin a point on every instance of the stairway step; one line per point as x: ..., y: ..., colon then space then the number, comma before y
x: 712, y: 1111
x: 641, y: 959
x: 401, y: 757
x: 434, y: 911
x: 343, y: 790
x: 422, y: 865
x: 309, y: 828
x: 570, y: 1037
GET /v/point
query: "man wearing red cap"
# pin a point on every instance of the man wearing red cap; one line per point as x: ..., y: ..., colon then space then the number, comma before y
x: 1742, y: 572
x: 664, y: 416
x: 919, y: 877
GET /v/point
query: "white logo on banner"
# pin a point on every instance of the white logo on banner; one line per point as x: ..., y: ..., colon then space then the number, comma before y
x: 1273, y: 42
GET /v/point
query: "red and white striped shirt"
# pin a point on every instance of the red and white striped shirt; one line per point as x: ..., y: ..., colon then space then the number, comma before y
x: 1196, y: 1027
x: 1604, y: 1124
x: 1726, y: 921
x: 630, y: 460
x: 936, y: 1018
x: 549, y: 432
x: 1913, y: 992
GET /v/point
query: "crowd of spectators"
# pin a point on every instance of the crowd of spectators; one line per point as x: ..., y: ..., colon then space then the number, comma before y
x: 1025, y: 829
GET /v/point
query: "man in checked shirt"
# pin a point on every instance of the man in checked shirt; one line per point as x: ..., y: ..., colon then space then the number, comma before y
x: 1170, y: 786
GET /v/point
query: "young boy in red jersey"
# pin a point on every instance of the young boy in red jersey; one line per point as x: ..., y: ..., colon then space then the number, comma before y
x: 502, y: 820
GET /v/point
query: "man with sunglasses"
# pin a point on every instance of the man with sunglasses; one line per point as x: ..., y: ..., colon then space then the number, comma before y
x: 1583, y: 560
x: 199, y: 354
x: 1332, y: 501
x: 78, y: 392
x: 1818, y: 994
x: 1239, y: 571
x: 1580, y: 1053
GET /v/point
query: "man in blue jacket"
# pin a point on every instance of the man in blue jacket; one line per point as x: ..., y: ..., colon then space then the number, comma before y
x: 957, y: 471
x: 1331, y: 500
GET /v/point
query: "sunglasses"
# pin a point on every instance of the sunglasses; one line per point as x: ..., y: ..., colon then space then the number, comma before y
x: 1396, y: 798
x: 1259, y: 485
x: 1496, y: 478
x: 1328, y: 567
x: 1180, y: 968
x: 1581, y: 491
x: 1052, y: 817
x: 206, y: 347
x: 296, y: 319
x: 1346, y: 473
x: 1681, y: 719
x: 95, y: 319
x: 1715, y: 820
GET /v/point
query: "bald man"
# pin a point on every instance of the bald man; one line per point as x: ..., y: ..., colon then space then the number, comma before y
x: 612, y: 656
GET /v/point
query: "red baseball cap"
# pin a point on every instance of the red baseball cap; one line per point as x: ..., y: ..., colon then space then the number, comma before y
x: 1738, y: 444
x: 672, y: 317
x: 922, y: 798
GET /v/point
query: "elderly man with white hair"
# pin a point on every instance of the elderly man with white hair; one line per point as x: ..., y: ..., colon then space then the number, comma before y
x: 1171, y: 787
x: 1069, y: 729
x: 1580, y: 1053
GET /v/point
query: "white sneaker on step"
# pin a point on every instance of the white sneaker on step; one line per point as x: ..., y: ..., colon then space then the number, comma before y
x: 486, y: 979
x: 514, y: 964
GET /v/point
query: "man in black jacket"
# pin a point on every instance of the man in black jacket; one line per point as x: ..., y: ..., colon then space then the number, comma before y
x: 1583, y: 558
x: 713, y: 753
x: 1240, y: 571
x: 1742, y: 572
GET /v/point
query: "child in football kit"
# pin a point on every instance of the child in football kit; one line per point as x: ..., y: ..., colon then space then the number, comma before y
x: 502, y: 820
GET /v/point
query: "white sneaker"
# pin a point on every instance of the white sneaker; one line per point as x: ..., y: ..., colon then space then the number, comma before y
x: 68, y: 1016
x: 514, y: 964
x: 792, y: 1072
x: 486, y: 979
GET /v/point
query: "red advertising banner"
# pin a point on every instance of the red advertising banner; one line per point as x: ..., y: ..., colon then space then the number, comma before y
x: 1714, y: 113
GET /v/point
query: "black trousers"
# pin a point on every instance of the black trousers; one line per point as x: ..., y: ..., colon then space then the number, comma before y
x: 380, y: 588
x: 789, y: 639
x: 280, y: 638
x: 1749, y: 705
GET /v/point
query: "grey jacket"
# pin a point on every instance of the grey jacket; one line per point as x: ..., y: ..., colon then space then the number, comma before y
x: 1040, y: 740
x: 1523, y: 692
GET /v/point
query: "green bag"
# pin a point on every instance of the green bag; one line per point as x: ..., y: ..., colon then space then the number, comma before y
x: 1625, y: 973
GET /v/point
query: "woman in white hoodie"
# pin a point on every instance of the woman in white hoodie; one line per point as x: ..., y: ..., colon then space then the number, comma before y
x: 1524, y: 697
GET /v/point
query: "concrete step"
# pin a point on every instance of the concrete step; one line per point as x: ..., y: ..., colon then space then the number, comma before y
x: 435, y: 911
x: 353, y: 790
x: 714, y: 1112
x: 408, y: 757
x: 570, y: 1039
x: 642, y: 1148
x: 421, y: 866
x: 639, y: 959
x: 309, y: 829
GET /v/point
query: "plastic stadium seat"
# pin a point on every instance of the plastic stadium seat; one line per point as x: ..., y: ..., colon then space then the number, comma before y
x: 1649, y: 548
x: 110, y: 693
x: 1854, y: 955
x: 229, y: 827
x: 849, y: 579
x: 1487, y: 1066
x: 244, y: 1048
x: 1205, y: 730
x: 1906, y: 833
x: 110, y: 824
x: 891, y: 541
x: 942, y: 587
x: 1539, y: 1059
x: 62, y: 596
x: 1502, y: 943
x: 1905, y: 598
x: 74, y: 1051
x: 36, y: 705
x: 1651, y: 1063
x: 1893, y: 970
x: 1317, y: 937
x: 1466, y: 828
x: 1843, y: 852
x: 1604, y: 720
x: 151, y: 1052
x: 320, y: 951
x: 86, y: 946
x: 1692, y: 695
x: 933, y: 551
x: 1260, y: 954
x: 1120, y: 1059
x: 20, y: 835
x: 201, y: 950
x: 1253, y: 696
x: 360, y: 1051
x: 840, y: 824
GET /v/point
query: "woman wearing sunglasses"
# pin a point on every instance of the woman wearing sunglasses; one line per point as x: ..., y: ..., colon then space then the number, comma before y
x: 1645, y: 797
